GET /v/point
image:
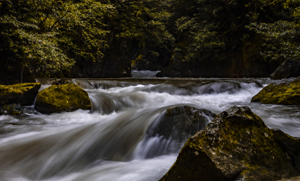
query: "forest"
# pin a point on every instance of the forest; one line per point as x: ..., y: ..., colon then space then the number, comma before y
x: 108, y: 38
x: 224, y: 105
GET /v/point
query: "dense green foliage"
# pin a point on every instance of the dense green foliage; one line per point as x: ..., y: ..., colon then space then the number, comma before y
x: 46, y: 37
x: 215, y: 28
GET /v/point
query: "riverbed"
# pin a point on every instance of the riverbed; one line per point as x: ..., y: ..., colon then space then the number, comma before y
x: 110, y: 142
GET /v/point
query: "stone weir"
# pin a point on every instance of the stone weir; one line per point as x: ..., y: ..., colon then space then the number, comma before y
x: 180, y: 82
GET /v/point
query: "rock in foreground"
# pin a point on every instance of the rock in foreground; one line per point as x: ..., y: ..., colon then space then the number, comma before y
x: 286, y: 93
x: 60, y: 98
x: 24, y: 93
x: 237, y: 145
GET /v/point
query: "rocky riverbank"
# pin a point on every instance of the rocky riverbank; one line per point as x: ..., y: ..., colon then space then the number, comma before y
x: 237, y: 145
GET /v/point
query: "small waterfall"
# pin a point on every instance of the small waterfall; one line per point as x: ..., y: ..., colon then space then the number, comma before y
x: 57, y: 152
x: 168, y: 133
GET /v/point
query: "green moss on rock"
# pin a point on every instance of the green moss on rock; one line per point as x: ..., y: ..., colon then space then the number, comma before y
x: 286, y: 93
x: 23, y: 93
x: 60, y: 98
x: 11, y: 109
x: 236, y: 145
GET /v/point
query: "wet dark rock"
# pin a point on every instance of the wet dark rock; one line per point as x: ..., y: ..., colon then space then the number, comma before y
x: 236, y: 145
x: 289, y: 68
x: 173, y: 128
x: 62, y: 81
x: 181, y: 122
x: 11, y: 109
x: 285, y: 93
x: 16, y: 109
x: 23, y: 93
x: 289, y: 145
x: 60, y: 98
x: 219, y: 87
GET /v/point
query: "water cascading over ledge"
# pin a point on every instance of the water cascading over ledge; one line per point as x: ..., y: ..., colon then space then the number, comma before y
x: 121, y: 138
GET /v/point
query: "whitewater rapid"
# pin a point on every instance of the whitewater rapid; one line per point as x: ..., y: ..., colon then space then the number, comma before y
x: 110, y: 142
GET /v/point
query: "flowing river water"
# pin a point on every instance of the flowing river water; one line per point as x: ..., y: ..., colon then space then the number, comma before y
x: 113, y: 142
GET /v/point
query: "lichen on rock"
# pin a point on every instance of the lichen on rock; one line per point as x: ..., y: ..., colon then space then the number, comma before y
x: 285, y: 93
x: 11, y: 109
x: 60, y: 98
x: 236, y: 145
x: 23, y: 93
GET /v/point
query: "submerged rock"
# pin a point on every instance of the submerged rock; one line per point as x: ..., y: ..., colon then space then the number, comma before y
x: 23, y: 93
x: 172, y: 129
x: 237, y: 145
x: 286, y: 93
x: 289, y: 68
x: 11, y: 109
x: 60, y: 98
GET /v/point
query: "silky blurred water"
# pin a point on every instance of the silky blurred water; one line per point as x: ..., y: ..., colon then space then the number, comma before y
x: 109, y: 142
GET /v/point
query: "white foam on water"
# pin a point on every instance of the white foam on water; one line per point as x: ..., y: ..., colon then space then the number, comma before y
x: 106, y: 143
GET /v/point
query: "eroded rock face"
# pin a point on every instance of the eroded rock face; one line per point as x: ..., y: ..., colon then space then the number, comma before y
x: 289, y: 68
x: 60, y: 98
x: 23, y: 93
x: 286, y: 93
x: 236, y: 145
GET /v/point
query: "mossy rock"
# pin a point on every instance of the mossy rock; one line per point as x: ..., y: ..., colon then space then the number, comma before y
x: 23, y: 93
x: 285, y: 93
x: 62, y: 98
x: 11, y: 109
x: 236, y: 145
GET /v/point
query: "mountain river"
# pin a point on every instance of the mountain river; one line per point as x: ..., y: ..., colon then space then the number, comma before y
x: 113, y: 141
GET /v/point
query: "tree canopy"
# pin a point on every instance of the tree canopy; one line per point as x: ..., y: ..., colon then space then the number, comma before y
x: 49, y: 36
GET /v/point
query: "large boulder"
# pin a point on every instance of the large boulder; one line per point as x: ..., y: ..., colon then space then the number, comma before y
x: 237, y: 145
x: 289, y: 68
x: 286, y: 92
x: 60, y: 98
x: 23, y: 93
